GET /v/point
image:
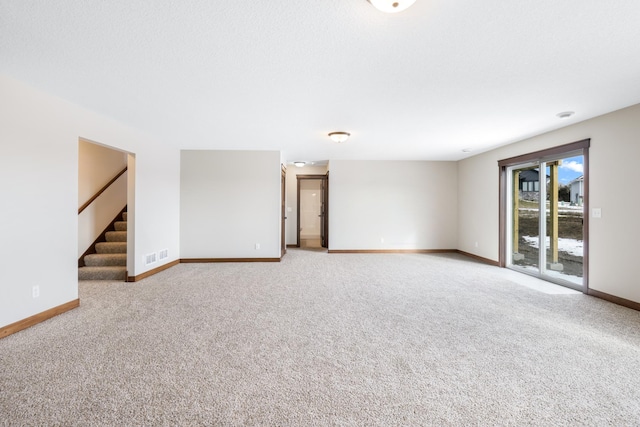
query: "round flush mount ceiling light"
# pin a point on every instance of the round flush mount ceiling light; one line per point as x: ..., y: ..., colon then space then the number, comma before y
x: 299, y: 164
x: 339, y: 137
x: 565, y: 114
x: 391, y: 6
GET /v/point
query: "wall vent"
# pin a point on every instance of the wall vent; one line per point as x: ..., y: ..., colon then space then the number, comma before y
x: 150, y: 259
x: 163, y: 254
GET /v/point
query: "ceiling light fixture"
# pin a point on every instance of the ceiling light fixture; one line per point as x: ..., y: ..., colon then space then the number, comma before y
x: 391, y: 6
x: 466, y: 150
x: 339, y: 136
x: 565, y: 114
x: 299, y: 164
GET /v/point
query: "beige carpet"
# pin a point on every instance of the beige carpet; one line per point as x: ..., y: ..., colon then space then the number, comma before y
x: 326, y: 339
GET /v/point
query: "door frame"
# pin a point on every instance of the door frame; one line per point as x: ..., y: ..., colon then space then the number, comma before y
x: 325, y: 215
x: 283, y: 210
x: 582, y: 148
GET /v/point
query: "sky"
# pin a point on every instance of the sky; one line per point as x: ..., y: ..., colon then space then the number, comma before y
x: 570, y: 169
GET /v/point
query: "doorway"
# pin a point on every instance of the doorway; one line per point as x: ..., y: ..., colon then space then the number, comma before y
x: 106, y: 199
x: 543, y: 201
x: 312, y: 211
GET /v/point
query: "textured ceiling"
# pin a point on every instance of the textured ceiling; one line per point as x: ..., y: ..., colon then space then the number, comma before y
x: 425, y: 83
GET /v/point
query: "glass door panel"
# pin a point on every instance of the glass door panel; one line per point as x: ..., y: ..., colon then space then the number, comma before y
x: 525, y: 218
x: 564, y: 231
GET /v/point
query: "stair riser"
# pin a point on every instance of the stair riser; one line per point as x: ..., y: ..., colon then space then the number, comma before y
x: 111, y: 247
x: 124, y: 216
x: 116, y: 236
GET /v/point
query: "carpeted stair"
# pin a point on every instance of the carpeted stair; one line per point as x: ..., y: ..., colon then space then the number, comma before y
x: 110, y: 260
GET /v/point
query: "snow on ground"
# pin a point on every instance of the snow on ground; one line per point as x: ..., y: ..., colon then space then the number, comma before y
x: 570, y: 246
x: 561, y: 209
x: 566, y: 207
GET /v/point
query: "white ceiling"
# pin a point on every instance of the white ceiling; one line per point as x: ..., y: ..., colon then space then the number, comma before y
x: 425, y: 83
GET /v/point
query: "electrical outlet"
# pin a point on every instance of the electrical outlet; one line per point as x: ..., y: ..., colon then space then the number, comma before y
x: 35, y: 291
x: 257, y: 246
x: 382, y: 240
x: 476, y: 244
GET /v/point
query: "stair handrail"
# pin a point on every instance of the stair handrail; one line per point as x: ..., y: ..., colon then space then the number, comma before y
x: 102, y: 190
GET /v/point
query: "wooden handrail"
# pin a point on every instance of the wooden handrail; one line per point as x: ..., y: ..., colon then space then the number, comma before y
x: 102, y: 190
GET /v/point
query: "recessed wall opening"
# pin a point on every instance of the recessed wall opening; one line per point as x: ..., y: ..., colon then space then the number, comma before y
x: 312, y: 211
x: 105, y: 200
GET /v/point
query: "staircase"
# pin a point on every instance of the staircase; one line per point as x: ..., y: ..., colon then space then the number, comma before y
x: 110, y: 260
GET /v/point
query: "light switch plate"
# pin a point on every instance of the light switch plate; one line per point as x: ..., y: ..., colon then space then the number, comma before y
x: 596, y: 213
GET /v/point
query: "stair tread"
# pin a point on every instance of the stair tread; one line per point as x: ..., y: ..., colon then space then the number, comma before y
x: 116, y: 255
x: 106, y: 244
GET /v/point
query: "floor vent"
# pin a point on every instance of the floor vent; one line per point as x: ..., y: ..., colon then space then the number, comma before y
x: 163, y: 254
x: 150, y: 259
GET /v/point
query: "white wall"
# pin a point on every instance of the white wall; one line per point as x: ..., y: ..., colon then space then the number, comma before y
x: 392, y: 205
x: 97, y: 165
x: 230, y: 200
x: 292, y: 197
x: 614, y: 154
x: 39, y: 191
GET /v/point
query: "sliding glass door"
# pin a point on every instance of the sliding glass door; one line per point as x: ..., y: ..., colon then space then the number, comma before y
x: 525, y: 217
x: 544, y: 217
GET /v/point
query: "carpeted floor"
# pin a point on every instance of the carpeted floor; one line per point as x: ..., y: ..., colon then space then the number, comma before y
x: 326, y: 339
